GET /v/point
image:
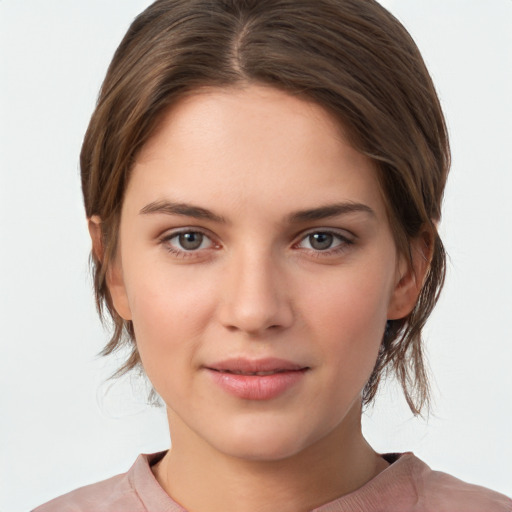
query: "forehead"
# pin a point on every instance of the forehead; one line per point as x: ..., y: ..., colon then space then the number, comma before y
x: 241, y: 111
x: 254, y: 146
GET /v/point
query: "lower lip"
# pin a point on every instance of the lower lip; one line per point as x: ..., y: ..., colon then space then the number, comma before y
x: 257, y: 387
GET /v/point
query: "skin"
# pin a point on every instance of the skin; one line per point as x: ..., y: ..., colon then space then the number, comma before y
x: 258, y: 286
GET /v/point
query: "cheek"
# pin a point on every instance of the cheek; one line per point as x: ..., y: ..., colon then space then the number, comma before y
x: 347, y: 316
x: 166, y: 299
x: 169, y: 312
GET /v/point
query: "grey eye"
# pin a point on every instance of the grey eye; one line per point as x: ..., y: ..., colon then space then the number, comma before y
x: 321, y: 241
x: 191, y: 240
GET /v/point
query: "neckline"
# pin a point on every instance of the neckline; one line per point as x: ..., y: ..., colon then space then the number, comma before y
x: 154, y: 497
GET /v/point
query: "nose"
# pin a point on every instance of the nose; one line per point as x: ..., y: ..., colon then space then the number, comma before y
x: 255, y: 297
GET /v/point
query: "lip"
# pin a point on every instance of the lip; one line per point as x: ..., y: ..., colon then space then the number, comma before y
x: 261, y: 379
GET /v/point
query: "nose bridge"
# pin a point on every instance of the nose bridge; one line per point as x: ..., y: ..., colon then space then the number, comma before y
x: 255, y: 298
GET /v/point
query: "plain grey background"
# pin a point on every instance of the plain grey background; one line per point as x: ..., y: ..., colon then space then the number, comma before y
x: 60, y: 428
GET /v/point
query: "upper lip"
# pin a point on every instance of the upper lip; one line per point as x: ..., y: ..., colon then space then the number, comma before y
x: 244, y: 365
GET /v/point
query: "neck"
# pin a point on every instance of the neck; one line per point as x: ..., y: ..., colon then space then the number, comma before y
x: 201, y: 478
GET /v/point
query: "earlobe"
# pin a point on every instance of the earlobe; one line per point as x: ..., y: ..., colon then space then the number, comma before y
x: 411, y: 276
x: 117, y: 289
x: 114, y: 275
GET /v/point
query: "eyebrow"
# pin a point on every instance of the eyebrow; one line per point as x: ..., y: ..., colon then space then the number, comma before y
x: 184, y: 209
x: 328, y: 211
x: 311, y: 214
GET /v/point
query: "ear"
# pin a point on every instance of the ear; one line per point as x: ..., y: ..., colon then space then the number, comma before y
x: 114, y: 273
x: 94, y: 225
x: 411, y: 275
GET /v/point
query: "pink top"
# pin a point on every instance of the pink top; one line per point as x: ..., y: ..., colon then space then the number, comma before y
x: 407, y: 485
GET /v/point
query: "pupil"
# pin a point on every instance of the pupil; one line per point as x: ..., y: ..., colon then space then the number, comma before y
x: 191, y: 241
x: 321, y: 241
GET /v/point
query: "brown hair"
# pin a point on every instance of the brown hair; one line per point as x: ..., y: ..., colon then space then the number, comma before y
x: 350, y: 56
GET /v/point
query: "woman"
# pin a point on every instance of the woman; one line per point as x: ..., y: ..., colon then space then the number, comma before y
x: 263, y: 181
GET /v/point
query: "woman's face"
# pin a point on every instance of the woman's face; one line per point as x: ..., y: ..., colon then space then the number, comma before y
x: 258, y: 267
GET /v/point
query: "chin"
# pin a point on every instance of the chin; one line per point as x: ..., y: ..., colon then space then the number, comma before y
x: 263, y: 451
x: 263, y: 441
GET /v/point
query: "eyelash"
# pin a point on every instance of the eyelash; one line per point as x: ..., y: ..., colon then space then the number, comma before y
x: 343, y: 245
x: 183, y: 253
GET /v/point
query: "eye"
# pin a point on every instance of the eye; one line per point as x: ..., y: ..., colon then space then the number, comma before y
x: 320, y: 241
x: 187, y: 241
x: 324, y: 241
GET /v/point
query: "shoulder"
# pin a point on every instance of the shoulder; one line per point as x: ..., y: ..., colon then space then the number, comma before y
x: 125, y: 492
x: 441, y: 492
x: 116, y: 493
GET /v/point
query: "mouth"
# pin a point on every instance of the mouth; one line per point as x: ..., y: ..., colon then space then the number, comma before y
x: 262, y: 379
x: 257, y: 374
x: 258, y: 367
